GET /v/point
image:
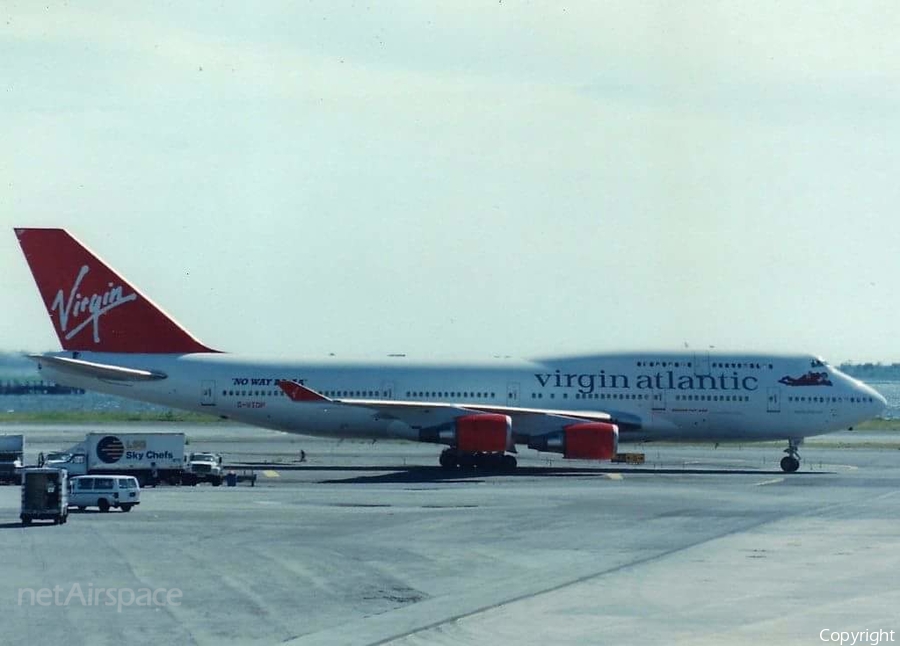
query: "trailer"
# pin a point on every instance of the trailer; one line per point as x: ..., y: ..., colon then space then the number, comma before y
x: 150, y: 457
x: 232, y: 478
x: 45, y: 495
x: 12, y: 450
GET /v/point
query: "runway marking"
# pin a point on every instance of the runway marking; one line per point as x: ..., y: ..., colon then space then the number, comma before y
x: 421, y: 625
x: 624, y: 567
x: 768, y: 482
x: 613, y: 476
x: 271, y: 474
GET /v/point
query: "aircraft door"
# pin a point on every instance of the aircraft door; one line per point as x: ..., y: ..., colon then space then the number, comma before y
x: 773, y: 404
x: 658, y: 400
x: 387, y: 390
x: 701, y: 363
x: 512, y: 394
x: 207, y: 393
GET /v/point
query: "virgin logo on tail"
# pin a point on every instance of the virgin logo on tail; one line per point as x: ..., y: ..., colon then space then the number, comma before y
x: 94, y: 306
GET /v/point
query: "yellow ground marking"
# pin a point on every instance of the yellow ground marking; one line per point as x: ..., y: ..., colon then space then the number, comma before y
x: 271, y: 474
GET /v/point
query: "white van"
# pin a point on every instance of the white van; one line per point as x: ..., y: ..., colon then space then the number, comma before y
x: 104, y: 492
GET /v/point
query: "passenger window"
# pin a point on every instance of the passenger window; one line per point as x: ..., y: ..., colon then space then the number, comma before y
x: 85, y: 484
x: 103, y: 483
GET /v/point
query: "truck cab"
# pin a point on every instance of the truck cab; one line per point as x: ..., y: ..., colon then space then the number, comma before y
x: 203, y: 467
x: 74, y: 463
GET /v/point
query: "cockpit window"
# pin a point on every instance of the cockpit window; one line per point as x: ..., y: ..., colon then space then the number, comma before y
x: 818, y: 362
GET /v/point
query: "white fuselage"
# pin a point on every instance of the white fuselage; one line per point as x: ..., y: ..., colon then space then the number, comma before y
x: 694, y: 396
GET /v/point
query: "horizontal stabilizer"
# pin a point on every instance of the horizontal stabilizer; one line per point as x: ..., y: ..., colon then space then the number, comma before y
x: 97, y: 370
x: 297, y: 392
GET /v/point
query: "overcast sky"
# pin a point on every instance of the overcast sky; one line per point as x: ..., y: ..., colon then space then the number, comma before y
x: 470, y: 178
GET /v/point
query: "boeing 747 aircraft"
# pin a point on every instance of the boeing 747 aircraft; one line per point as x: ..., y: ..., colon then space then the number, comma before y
x: 117, y: 341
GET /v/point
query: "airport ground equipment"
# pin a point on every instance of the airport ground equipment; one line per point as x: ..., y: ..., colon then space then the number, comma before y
x: 12, y: 450
x: 246, y: 475
x: 203, y: 467
x: 629, y: 458
x: 44, y: 495
x: 149, y: 457
x: 104, y: 492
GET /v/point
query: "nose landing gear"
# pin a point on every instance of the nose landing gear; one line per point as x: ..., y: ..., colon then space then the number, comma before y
x: 791, y: 462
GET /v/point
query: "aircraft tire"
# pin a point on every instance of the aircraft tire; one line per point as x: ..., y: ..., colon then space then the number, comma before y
x: 448, y: 459
x: 789, y: 464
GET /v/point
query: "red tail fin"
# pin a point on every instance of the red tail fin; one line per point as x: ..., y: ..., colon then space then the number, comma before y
x: 93, y: 308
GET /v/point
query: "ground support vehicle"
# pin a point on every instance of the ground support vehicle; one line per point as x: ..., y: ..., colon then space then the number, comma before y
x: 44, y: 495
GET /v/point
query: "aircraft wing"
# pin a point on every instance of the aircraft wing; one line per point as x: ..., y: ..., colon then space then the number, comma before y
x: 526, y: 421
x: 104, y: 371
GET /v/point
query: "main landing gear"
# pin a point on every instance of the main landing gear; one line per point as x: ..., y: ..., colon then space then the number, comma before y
x: 791, y: 462
x: 452, y: 458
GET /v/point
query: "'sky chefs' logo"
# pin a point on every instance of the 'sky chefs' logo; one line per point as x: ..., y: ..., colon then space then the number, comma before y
x: 110, y: 449
x: 82, y: 310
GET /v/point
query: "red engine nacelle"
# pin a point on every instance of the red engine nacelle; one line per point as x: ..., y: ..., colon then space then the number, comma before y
x: 583, y: 441
x: 591, y: 441
x: 489, y: 432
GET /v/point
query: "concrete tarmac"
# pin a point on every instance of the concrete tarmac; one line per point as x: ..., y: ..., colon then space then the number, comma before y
x: 373, y: 544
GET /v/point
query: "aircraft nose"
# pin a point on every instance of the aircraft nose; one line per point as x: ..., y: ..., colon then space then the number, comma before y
x: 879, y: 403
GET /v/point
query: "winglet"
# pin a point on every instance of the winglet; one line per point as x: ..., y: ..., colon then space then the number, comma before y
x: 297, y: 392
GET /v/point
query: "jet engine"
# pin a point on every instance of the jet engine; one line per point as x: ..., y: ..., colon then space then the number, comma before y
x: 479, y: 433
x: 581, y: 441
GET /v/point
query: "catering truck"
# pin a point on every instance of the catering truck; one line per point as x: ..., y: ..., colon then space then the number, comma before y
x: 12, y: 448
x: 149, y: 457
